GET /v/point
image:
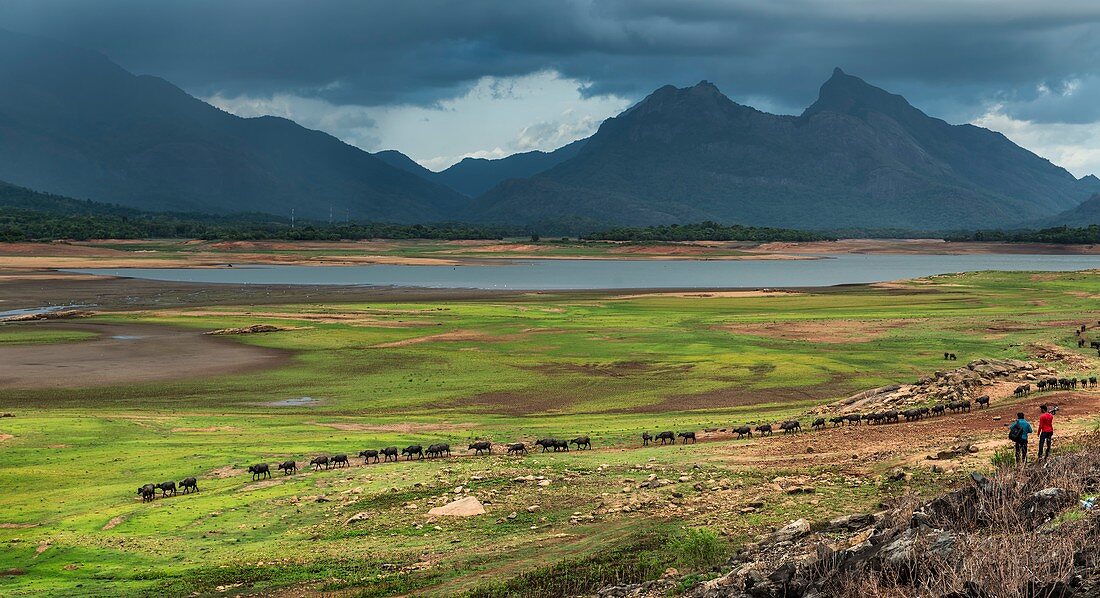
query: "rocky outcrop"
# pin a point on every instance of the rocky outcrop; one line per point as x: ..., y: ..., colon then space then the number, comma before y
x: 961, y: 383
x: 945, y: 539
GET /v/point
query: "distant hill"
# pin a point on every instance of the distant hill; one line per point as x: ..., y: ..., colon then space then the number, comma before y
x: 1083, y: 215
x: 474, y: 176
x: 858, y: 157
x: 73, y: 122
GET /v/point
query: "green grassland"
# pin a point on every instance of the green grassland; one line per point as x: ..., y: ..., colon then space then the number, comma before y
x: 541, y: 364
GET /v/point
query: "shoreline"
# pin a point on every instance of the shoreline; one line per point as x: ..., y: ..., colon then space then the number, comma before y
x: 116, y: 254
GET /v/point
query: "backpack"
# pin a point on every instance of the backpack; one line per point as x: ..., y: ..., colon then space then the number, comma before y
x: 1016, y: 432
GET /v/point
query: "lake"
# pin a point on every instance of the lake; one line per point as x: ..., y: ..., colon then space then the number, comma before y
x: 570, y: 274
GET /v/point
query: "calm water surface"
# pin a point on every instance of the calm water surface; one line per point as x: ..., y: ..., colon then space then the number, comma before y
x: 621, y: 274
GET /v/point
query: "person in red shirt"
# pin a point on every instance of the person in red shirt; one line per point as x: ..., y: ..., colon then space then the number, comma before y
x: 1046, y: 431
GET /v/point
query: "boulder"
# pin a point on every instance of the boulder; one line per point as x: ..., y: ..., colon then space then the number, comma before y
x: 464, y: 507
x: 792, y: 531
x: 1046, y: 503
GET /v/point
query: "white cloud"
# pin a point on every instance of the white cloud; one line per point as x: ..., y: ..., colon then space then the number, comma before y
x: 1073, y: 146
x: 496, y: 117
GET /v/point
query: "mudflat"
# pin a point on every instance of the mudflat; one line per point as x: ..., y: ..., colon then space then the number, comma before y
x: 128, y: 354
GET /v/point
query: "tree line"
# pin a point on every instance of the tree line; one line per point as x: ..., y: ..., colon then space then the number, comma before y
x: 706, y: 231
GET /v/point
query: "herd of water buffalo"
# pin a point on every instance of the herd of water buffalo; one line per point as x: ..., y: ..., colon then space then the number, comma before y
x: 148, y: 492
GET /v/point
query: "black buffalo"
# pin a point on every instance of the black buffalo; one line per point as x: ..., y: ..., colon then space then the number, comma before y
x: 340, y: 461
x: 792, y: 426
x: 517, y: 448
x: 320, y: 462
x: 646, y: 437
x: 147, y: 492
x: 189, y: 485
x: 687, y: 436
x: 666, y: 437
x: 259, y: 470
x: 482, y: 446
x: 166, y: 487
x: 582, y: 442
x: 411, y: 450
x: 389, y: 453
x: 288, y: 467
x: 369, y: 454
x: 765, y: 430
x: 818, y: 424
x: 743, y: 431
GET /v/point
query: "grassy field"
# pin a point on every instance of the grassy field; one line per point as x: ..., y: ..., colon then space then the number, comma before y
x: 394, y: 373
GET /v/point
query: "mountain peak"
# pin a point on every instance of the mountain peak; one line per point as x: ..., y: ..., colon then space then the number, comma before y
x: 848, y: 94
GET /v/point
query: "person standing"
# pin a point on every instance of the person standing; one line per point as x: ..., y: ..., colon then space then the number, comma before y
x: 1018, y: 434
x: 1046, y: 431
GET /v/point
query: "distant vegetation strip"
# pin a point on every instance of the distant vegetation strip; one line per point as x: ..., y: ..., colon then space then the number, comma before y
x: 707, y: 231
x: 27, y: 215
x: 1061, y: 235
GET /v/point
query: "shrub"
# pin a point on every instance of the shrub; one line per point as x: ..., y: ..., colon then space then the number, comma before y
x: 700, y: 549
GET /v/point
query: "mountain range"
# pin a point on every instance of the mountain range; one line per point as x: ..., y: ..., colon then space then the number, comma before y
x: 74, y: 123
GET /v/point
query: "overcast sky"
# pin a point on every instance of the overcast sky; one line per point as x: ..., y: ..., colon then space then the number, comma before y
x: 440, y: 80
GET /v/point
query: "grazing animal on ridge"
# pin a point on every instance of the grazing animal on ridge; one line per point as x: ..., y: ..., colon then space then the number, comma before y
x: 481, y: 446
x: 838, y: 421
x: 369, y: 454
x: 189, y: 485
x: 582, y: 442
x: 646, y: 437
x: 288, y: 467
x: 819, y: 424
x: 743, y: 431
x: 389, y: 453
x: 686, y: 436
x: 414, y: 449
x: 982, y: 401
x: 517, y: 448
x: 855, y: 419
x: 166, y: 487
x: 340, y: 461
x: 148, y: 492
x: 320, y: 461
x: 765, y: 430
x: 260, y: 470
x: 665, y: 437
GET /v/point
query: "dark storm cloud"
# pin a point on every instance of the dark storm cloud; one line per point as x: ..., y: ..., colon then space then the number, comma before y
x: 947, y: 56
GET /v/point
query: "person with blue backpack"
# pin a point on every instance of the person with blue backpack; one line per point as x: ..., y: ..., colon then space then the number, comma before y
x: 1018, y: 434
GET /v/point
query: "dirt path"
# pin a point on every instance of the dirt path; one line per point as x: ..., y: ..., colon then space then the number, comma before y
x: 128, y: 353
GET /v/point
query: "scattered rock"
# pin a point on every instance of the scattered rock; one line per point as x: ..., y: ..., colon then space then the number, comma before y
x: 253, y: 329
x: 360, y: 516
x: 463, y: 507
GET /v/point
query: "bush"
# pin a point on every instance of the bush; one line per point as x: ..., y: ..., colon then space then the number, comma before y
x: 1004, y: 457
x: 700, y: 549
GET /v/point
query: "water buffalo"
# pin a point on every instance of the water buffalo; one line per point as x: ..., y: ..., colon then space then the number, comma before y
x: 259, y: 470
x: 982, y: 401
x: 890, y: 416
x: 369, y: 454
x: 547, y: 444
x: 854, y: 419
x: 411, y: 450
x: 938, y: 409
x: 320, y: 462
x: 517, y: 448
x: 166, y: 487
x: 819, y: 424
x: 582, y: 442
x: 838, y: 421
x: 482, y: 446
x: 666, y: 437
x: 389, y: 453
x: 340, y: 461
x: 189, y: 485
x: 1092, y: 381
x: 147, y: 492
x: 288, y: 467
x: 686, y: 436
x: 765, y: 430
x: 743, y: 431
x: 438, y: 449
x: 911, y: 414
x: 561, y: 445
x: 646, y: 437
x: 790, y: 427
